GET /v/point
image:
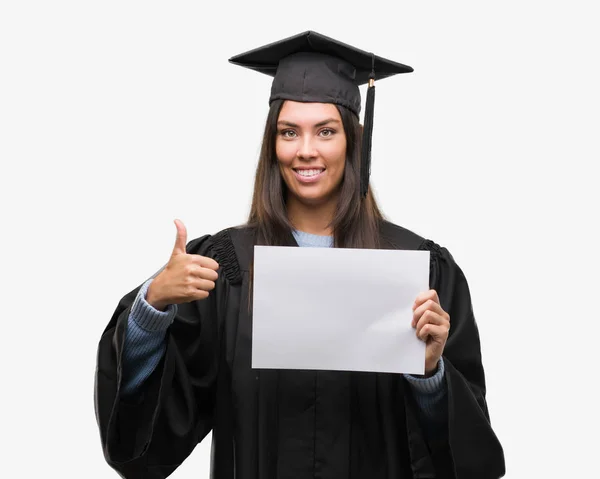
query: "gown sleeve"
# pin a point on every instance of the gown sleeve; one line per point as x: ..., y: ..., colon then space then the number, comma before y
x: 470, y: 447
x: 150, y: 435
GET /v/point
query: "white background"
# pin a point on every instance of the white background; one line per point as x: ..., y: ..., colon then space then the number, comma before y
x: 117, y: 117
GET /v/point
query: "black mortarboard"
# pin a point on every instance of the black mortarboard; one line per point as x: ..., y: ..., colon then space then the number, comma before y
x: 310, y: 67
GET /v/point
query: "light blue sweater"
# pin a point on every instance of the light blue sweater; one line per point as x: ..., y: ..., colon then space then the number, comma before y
x: 145, y: 345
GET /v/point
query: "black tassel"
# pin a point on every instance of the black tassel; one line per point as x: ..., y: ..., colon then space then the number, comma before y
x: 365, y: 163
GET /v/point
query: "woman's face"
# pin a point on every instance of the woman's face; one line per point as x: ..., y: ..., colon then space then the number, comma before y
x: 311, y: 150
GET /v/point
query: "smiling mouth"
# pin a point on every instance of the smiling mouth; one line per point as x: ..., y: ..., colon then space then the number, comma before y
x: 309, y: 173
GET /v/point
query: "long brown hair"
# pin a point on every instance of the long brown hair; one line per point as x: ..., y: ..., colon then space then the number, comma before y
x: 356, y: 221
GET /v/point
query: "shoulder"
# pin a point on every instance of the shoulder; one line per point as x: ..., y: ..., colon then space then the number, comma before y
x: 229, y: 247
x: 397, y: 237
x: 446, y: 276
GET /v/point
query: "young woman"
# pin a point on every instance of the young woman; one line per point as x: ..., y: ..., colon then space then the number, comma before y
x: 174, y: 363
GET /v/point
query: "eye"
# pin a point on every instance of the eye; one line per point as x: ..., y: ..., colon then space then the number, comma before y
x: 327, y: 132
x: 288, y: 133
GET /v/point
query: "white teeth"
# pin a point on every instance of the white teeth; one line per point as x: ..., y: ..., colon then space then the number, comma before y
x: 308, y: 172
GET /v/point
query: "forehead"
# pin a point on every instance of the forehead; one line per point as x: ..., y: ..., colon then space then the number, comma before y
x: 308, y: 113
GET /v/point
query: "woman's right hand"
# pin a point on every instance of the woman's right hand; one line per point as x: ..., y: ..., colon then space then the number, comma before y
x: 185, y: 278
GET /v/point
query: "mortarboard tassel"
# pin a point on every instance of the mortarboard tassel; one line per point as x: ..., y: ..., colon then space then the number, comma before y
x: 365, y: 163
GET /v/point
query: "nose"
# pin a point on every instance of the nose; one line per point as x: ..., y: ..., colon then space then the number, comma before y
x: 306, y: 148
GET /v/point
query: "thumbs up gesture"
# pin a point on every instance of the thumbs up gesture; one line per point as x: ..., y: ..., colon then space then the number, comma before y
x: 185, y: 278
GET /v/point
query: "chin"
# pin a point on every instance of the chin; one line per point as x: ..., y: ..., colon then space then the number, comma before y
x: 313, y: 198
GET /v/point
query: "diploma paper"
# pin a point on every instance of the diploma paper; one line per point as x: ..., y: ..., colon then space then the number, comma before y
x: 337, y: 309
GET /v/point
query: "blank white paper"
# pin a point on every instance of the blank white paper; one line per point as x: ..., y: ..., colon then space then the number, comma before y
x: 337, y: 309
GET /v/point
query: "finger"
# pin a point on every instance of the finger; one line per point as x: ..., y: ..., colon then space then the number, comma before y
x: 180, y: 239
x: 195, y: 288
x: 192, y: 270
x: 207, y: 273
x: 204, y: 262
x: 198, y: 295
x: 429, y: 305
x: 203, y: 285
x: 437, y: 333
x: 424, y: 296
x: 429, y: 317
x: 203, y: 273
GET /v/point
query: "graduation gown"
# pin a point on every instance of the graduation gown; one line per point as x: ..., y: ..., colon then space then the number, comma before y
x: 282, y: 424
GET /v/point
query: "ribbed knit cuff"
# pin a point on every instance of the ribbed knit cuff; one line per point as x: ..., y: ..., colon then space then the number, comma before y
x: 430, y: 385
x: 148, y: 317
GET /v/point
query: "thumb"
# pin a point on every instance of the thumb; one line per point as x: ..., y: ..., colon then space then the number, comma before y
x: 181, y: 239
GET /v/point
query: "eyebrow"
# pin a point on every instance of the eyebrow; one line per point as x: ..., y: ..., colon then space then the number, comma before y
x: 321, y: 123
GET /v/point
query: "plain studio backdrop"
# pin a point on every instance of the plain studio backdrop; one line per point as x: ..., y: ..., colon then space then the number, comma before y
x: 118, y: 117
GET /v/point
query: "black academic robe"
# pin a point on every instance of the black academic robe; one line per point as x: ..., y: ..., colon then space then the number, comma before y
x: 269, y: 424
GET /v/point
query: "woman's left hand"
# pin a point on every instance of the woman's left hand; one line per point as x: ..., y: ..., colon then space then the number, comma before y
x: 432, y: 324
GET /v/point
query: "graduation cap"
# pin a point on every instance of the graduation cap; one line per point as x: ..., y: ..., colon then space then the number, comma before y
x: 310, y: 67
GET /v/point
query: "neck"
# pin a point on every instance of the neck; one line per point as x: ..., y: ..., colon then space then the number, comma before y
x: 313, y: 219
